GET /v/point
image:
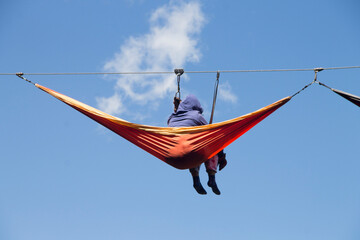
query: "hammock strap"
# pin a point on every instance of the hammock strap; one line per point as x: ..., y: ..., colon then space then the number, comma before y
x: 316, y: 70
x: 215, y: 95
x: 322, y: 84
x: 20, y: 75
x: 178, y: 73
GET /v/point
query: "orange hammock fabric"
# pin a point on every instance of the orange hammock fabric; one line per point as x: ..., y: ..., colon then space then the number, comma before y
x: 180, y: 147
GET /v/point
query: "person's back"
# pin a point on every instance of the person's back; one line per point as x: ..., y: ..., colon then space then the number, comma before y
x: 189, y: 113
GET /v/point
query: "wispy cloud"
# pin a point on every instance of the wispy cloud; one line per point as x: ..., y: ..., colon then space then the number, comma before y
x: 172, y: 41
x: 113, y: 104
x: 226, y: 94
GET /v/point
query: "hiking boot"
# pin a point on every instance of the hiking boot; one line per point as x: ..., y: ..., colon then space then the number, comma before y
x: 212, y: 183
x: 197, y: 185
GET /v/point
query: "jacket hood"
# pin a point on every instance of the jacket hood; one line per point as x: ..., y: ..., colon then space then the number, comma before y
x: 189, y: 104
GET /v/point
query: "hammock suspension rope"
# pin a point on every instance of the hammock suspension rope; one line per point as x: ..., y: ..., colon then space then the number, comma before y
x: 214, y: 97
x: 322, y: 84
x: 316, y: 70
x: 20, y: 75
x: 178, y: 73
x: 167, y: 72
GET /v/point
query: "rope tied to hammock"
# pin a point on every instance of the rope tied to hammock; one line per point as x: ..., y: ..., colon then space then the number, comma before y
x: 322, y: 84
x: 169, y: 72
x: 21, y: 75
x: 177, y: 97
x: 316, y: 70
x: 178, y: 73
x: 215, y: 96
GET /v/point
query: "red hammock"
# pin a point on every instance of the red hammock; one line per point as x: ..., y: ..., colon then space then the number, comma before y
x: 181, y: 147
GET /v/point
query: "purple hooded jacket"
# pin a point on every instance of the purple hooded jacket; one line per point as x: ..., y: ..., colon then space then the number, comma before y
x: 188, y: 114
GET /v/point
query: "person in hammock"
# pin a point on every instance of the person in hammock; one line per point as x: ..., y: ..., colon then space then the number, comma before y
x: 189, y: 113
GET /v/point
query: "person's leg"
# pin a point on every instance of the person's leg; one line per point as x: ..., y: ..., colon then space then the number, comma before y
x: 211, y: 166
x: 196, y: 180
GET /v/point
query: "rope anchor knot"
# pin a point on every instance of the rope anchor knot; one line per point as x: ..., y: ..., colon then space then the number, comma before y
x: 21, y: 75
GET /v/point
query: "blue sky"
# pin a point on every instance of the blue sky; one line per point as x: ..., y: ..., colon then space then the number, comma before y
x: 293, y: 176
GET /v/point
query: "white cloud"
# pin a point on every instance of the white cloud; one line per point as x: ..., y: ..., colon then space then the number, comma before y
x: 172, y: 41
x: 225, y: 93
x: 111, y: 105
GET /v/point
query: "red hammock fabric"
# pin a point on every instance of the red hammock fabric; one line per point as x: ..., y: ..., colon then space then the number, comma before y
x: 180, y: 147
